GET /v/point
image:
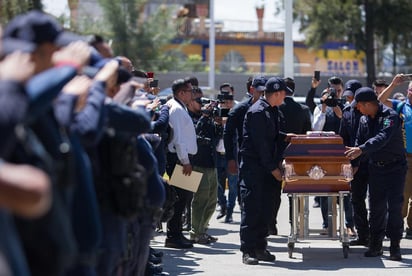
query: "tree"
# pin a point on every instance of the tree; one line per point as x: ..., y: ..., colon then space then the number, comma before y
x: 140, y: 39
x: 11, y: 8
x: 395, y: 29
x: 359, y: 22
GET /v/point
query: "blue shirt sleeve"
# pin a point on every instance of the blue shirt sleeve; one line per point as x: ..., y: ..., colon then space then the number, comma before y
x: 43, y: 88
x: 89, y: 122
x: 124, y: 118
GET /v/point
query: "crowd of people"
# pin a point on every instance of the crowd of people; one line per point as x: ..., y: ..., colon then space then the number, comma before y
x: 86, y: 145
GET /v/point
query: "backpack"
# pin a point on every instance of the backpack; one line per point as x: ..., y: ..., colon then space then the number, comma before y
x: 122, y: 183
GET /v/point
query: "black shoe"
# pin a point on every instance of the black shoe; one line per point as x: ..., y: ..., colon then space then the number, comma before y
x: 222, y: 212
x: 156, y: 253
x: 249, y: 259
x: 185, y: 239
x: 178, y: 243
x: 373, y: 253
x: 273, y: 231
x: 152, y: 269
x: 395, y: 252
x: 264, y: 255
x: 229, y: 218
x: 358, y: 241
x: 154, y: 260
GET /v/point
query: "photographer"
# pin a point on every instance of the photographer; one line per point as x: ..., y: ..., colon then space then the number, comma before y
x: 327, y: 117
x: 226, y: 102
x: 208, y: 131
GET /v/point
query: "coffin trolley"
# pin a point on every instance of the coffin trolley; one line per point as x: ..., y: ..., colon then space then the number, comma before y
x: 315, y: 165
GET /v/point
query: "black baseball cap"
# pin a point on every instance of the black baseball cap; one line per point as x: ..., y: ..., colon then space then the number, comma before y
x: 350, y: 87
x: 365, y: 94
x: 259, y: 82
x: 37, y: 27
x: 276, y: 84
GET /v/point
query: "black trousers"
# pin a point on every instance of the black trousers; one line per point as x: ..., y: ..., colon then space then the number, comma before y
x: 259, y: 190
x: 359, y: 187
x: 386, y: 185
x: 174, y: 225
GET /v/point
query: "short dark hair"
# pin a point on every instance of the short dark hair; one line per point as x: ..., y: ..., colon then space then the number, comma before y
x: 290, y: 83
x: 193, y: 80
x: 179, y: 84
x: 249, y: 83
x: 225, y: 84
x: 380, y: 82
x: 95, y: 39
x: 335, y: 80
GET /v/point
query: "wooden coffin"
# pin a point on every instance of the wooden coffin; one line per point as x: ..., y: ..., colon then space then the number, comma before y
x: 318, y: 164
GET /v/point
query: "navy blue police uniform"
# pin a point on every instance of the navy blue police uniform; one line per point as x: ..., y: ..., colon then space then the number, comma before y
x: 380, y: 137
x: 258, y: 188
x: 359, y: 183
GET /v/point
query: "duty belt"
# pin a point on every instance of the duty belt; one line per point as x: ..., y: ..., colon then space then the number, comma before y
x: 386, y: 162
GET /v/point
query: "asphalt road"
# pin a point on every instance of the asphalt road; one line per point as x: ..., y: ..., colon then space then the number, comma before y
x: 318, y: 255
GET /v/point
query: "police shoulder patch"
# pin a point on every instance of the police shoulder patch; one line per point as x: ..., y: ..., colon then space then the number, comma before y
x: 388, y: 122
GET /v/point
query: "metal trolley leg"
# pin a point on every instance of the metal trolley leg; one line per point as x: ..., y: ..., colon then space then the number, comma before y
x: 343, y: 234
x: 293, y: 230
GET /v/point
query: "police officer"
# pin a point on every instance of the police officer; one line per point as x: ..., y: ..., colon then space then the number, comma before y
x: 260, y: 171
x: 359, y: 185
x: 233, y: 131
x: 380, y: 137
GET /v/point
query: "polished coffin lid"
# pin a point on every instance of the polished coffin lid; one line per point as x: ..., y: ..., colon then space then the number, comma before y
x: 322, y: 152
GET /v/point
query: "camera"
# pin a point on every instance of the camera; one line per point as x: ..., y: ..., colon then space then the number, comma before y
x: 224, y: 95
x: 332, y: 99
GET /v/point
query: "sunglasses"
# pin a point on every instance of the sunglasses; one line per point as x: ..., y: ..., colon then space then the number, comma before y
x: 198, y: 100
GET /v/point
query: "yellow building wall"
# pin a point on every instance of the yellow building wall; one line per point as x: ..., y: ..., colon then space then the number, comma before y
x: 332, y: 62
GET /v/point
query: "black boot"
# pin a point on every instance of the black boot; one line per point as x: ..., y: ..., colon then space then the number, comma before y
x: 222, y: 212
x: 361, y: 240
x: 395, y: 251
x: 375, y: 249
x: 229, y: 217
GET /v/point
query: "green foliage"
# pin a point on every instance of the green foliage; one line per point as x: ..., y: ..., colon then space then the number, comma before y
x: 11, y: 8
x: 331, y: 20
x: 360, y: 22
x: 140, y: 39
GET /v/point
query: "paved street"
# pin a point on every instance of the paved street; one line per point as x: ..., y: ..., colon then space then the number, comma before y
x: 321, y: 256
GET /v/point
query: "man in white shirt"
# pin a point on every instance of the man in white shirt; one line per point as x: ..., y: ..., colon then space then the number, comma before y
x: 182, y: 144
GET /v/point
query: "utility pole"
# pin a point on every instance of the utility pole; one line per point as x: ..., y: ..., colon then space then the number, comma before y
x: 212, y: 42
x: 288, y: 61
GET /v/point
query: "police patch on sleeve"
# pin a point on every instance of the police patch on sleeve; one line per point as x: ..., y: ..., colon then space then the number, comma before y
x: 387, y: 122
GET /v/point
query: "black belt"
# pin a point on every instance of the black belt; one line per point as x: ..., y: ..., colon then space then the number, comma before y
x: 385, y: 163
x: 221, y: 153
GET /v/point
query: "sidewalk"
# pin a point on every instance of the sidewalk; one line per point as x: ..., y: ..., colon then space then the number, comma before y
x: 312, y: 257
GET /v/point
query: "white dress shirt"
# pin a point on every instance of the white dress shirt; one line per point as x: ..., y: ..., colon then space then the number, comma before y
x: 183, y: 140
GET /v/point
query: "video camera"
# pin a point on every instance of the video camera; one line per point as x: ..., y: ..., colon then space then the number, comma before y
x: 222, y: 97
x: 332, y: 98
